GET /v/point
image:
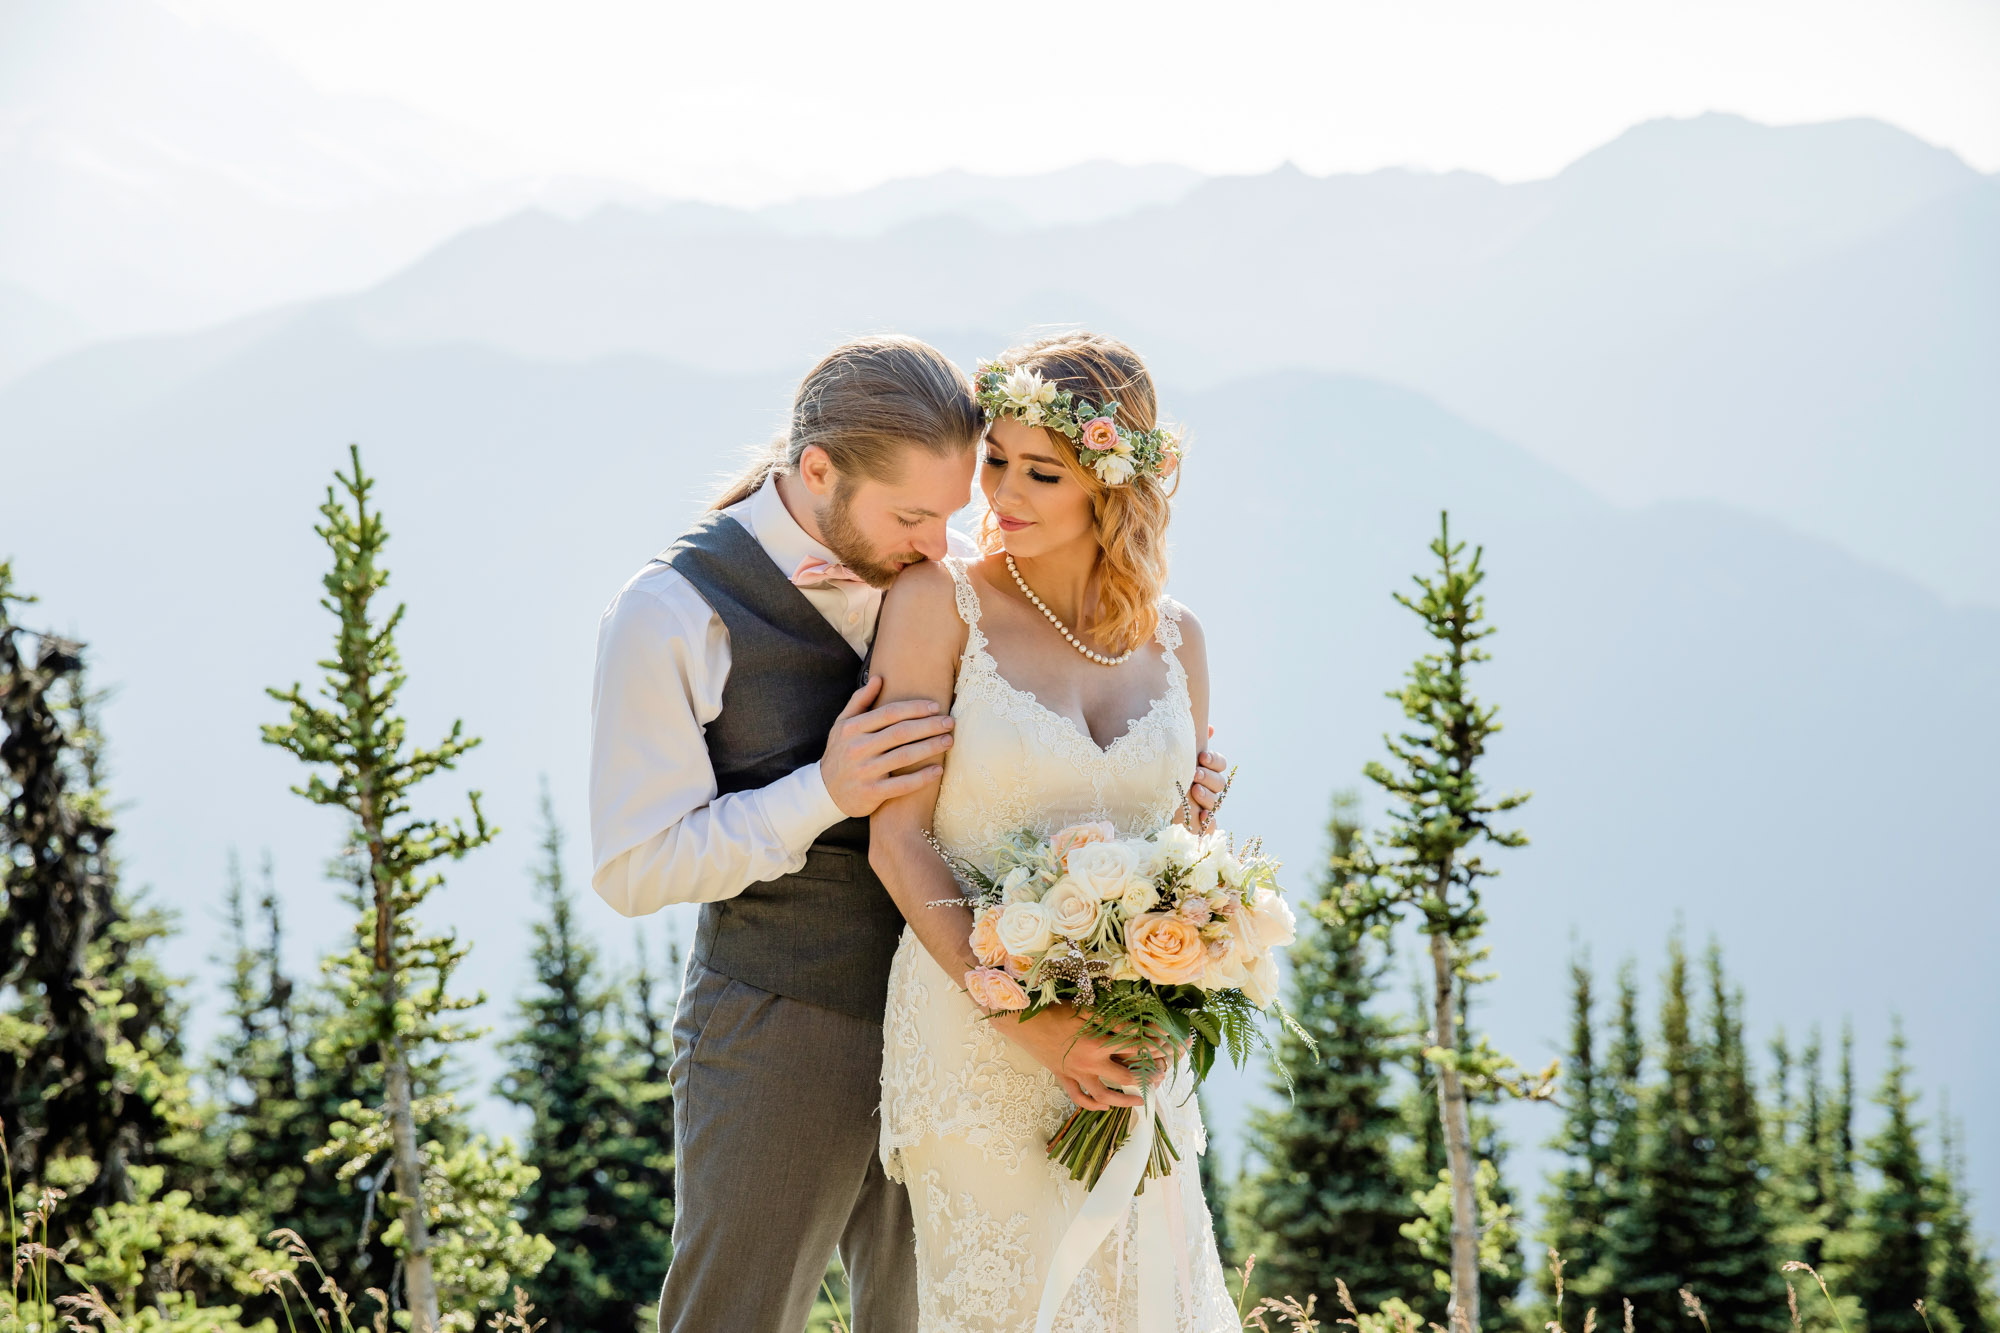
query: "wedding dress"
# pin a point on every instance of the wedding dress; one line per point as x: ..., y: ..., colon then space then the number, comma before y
x: 966, y: 1114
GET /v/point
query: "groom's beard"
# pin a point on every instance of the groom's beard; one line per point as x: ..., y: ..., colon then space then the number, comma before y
x: 844, y: 538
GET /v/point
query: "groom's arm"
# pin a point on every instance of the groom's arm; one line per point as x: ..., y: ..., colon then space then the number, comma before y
x: 660, y: 833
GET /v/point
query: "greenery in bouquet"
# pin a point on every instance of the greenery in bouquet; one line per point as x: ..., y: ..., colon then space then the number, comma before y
x: 1166, y: 944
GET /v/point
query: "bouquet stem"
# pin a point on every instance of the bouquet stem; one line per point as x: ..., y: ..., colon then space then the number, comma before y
x: 1087, y: 1140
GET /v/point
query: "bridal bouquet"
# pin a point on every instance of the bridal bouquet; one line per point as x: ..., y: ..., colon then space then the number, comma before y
x: 1163, y: 943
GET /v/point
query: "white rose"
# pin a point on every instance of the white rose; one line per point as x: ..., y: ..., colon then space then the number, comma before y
x: 1101, y: 867
x: 1122, y: 969
x: 1017, y: 886
x: 1270, y: 920
x: 1024, y: 928
x: 1137, y: 896
x: 1114, y: 469
x: 1146, y: 859
x: 1207, y: 874
x: 1072, y: 908
x: 1225, y: 970
x: 1177, y: 843
x: 1261, y: 983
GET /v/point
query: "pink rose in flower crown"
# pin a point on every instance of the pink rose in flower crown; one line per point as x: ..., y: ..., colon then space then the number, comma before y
x: 986, y: 941
x: 995, y: 991
x: 1068, y: 840
x: 1100, y: 434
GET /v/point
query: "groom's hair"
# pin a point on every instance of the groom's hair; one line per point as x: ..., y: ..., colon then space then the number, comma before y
x: 866, y: 402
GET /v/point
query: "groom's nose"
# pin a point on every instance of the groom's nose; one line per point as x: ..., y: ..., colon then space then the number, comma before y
x: 931, y: 541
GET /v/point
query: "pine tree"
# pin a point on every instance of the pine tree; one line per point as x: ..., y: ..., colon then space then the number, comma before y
x: 1622, y: 1089
x: 1577, y: 1204
x: 1657, y: 1239
x: 1738, y: 1277
x: 593, y: 1197
x: 1892, y: 1270
x: 1797, y: 1186
x: 1322, y: 1201
x: 1426, y: 866
x: 451, y: 1205
x: 646, y: 1042
x: 1961, y: 1271
x: 94, y: 1093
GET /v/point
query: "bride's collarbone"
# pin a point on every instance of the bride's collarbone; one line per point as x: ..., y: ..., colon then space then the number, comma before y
x: 1102, y: 701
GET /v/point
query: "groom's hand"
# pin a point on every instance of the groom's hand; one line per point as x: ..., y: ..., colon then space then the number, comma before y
x: 869, y: 747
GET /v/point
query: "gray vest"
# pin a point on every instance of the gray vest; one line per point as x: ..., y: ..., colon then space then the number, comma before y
x: 826, y: 933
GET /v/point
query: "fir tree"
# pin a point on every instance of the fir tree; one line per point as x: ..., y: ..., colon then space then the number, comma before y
x: 452, y: 1204
x: 1657, y: 1240
x: 1576, y: 1205
x: 1622, y: 1089
x: 94, y: 1094
x: 1426, y: 865
x: 1738, y: 1278
x: 1961, y: 1271
x: 594, y: 1196
x: 1891, y: 1271
x: 1322, y: 1201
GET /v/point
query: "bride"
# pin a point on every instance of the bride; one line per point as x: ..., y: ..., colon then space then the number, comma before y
x: 1079, y: 690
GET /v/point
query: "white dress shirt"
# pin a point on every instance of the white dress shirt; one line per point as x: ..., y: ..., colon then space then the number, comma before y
x: 659, y: 833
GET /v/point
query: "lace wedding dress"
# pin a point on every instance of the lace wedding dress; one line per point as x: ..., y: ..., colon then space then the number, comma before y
x: 966, y: 1114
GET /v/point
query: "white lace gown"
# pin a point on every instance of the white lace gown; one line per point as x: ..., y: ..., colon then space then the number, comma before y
x: 966, y: 1114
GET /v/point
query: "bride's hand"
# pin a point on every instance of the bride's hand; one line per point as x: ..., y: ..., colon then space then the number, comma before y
x: 1088, y: 1067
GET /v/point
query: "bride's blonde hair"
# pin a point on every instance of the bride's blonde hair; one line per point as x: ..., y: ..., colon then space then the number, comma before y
x: 1131, y: 519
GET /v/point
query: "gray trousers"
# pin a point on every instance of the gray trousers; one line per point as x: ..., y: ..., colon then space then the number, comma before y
x: 776, y: 1121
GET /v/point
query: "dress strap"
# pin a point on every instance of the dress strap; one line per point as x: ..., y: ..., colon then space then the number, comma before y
x: 968, y: 596
x: 968, y: 611
x: 1168, y: 633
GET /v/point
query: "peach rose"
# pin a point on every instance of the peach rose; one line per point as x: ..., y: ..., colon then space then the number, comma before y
x: 1270, y: 920
x: 1079, y: 835
x: 995, y: 991
x: 1018, y: 966
x: 986, y: 942
x: 1166, y: 950
x: 1100, y: 434
x: 1073, y: 909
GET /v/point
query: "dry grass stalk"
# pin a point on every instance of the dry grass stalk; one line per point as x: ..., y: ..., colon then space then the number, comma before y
x: 1692, y: 1303
x: 1799, y: 1266
x: 1922, y: 1313
x: 1628, y: 1314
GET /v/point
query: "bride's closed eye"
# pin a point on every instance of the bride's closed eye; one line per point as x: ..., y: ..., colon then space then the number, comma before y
x: 1033, y: 475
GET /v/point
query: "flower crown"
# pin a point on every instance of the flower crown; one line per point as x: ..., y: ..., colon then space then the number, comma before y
x: 1114, y: 452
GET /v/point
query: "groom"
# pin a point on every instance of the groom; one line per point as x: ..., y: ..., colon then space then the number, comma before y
x: 734, y: 764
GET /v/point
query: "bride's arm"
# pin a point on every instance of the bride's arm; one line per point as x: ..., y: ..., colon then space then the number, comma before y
x: 1194, y: 659
x: 917, y: 645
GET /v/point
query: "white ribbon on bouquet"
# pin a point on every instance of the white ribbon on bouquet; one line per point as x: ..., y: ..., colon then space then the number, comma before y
x: 1161, y: 1229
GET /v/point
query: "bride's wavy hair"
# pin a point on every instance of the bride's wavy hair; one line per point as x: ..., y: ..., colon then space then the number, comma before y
x: 1131, y: 519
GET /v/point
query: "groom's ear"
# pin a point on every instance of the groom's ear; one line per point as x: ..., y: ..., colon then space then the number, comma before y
x: 816, y: 470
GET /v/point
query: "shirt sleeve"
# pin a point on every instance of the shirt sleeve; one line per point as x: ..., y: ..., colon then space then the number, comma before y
x: 659, y: 832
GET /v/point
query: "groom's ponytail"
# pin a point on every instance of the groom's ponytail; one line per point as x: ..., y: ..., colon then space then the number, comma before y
x: 864, y: 403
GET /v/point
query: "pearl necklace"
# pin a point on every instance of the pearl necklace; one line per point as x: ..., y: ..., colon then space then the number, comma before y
x: 1090, y: 653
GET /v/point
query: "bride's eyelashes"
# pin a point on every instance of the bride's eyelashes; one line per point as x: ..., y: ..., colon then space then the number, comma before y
x: 1033, y: 475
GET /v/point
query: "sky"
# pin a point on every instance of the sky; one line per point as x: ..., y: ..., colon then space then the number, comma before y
x: 747, y: 103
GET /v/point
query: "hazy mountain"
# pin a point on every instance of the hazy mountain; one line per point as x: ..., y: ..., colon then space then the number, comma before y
x: 158, y: 172
x: 1702, y: 309
x: 1725, y: 724
x: 33, y: 330
x: 1088, y: 192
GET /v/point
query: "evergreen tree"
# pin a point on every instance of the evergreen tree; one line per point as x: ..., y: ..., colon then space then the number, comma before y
x: 1426, y: 866
x: 1322, y: 1201
x: 1891, y: 1271
x: 1577, y: 1204
x: 1738, y: 1277
x: 1961, y: 1271
x: 94, y: 1094
x: 1657, y: 1240
x: 1622, y: 1089
x: 594, y: 1195
x: 452, y: 1205
x: 646, y: 1042
x: 1798, y: 1184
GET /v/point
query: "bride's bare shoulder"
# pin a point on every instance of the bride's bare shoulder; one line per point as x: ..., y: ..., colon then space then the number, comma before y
x: 921, y: 601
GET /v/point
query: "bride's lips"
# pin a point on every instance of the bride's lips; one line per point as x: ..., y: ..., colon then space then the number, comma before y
x: 1012, y: 524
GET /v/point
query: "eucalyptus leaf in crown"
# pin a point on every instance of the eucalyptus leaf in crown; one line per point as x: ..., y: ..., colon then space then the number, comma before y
x: 1115, y: 453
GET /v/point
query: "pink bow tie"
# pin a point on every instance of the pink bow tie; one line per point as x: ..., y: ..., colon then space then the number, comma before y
x: 814, y: 572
